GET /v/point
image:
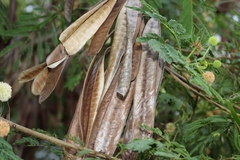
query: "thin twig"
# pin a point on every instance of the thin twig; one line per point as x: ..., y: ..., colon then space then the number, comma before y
x: 56, y: 141
x: 184, y: 79
x: 199, y: 94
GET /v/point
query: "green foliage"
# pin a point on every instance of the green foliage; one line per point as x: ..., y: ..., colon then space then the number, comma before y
x: 30, y: 141
x: 233, y: 112
x: 159, y: 149
x: 82, y: 153
x: 75, y: 139
x: 74, y: 75
x: 6, y: 151
x: 10, y: 47
x: 186, y: 17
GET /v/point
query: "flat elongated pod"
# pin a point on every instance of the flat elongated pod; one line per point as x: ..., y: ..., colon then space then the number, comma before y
x: 101, y: 111
x: 57, y: 56
x: 92, y: 90
x: 83, y: 116
x: 74, y: 128
x: 31, y: 73
x: 40, y: 81
x: 78, y: 33
x: 133, y: 25
x: 68, y: 7
x: 100, y: 36
x: 52, y: 79
x: 136, y: 56
x: 96, y: 96
x: 147, y: 85
x: 117, y: 50
x: 113, y: 122
x: 133, y: 19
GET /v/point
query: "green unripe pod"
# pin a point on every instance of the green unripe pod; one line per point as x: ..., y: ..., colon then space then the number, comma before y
x: 213, y: 41
x: 217, y: 64
x: 203, y: 64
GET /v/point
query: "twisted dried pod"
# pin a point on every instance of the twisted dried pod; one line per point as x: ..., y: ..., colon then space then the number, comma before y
x: 147, y: 87
x: 111, y: 118
x: 117, y: 49
x: 136, y: 56
x: 133, y: 25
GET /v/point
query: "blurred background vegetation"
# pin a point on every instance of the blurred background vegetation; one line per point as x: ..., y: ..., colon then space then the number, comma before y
x: 29, y: 31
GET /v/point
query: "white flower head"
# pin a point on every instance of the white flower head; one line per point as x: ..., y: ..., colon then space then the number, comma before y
x: 5, y: 91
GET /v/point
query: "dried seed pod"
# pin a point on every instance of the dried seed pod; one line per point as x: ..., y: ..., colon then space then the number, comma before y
x: 39, y: 82
x: 57, y: 56
x: 133, y: 25
x: 68, y: 7
x: 113, y: 122
x: 96, y: 96
x: 52, y: 79
x: 106, y: 99
x: 100, y: 36
x: 31, y: 73
x: 117, y: 49
x: 147, y: 86
x: 137, y: 52
x: 78, y: 33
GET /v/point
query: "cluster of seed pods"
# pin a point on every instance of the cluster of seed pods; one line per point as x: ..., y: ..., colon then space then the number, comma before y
x: 122, y: 95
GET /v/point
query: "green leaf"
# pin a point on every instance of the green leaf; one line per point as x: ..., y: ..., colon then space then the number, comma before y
x: 6, y: 151
x: 196, y: 125
x: 163, y: 50
x: 199, y: 81
x: 74, y: 74
x: 235, y: 98
x: 216, y: 94
x: 10, y: 47
x: 155, y: 130
x: 82, y: 153
x: 166, y: 154
x: 186, y: 17
x: 167, y: 99
x: 55, y: 37
x: 40, y: 48
x: 140, y: 145
x: 234, y: 114
x: 236, y: 137
x: 30, y: 141
x: 177, y: 27
x: 75, y: 139
x: 149, y: 6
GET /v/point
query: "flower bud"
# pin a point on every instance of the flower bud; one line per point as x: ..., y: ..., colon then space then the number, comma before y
x: 208, y: 77
x: 4, y: 128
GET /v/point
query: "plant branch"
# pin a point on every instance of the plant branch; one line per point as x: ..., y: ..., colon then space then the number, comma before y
x: 56, y: 141
x: 184, y: 79
x: 199, y: 94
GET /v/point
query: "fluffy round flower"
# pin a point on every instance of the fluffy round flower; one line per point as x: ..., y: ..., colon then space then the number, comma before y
x: 208, y: 77
x: 4, y: 128
x: 5, y: 91
x: 213, y: 41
